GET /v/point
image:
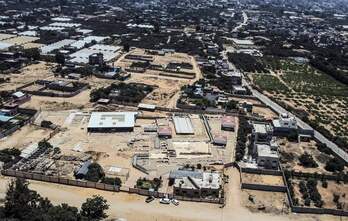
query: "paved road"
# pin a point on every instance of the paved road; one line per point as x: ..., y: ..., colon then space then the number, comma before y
x: 245, y: 20
x: 277, y: 108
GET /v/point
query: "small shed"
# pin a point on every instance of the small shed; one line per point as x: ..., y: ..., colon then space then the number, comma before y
x: 165, y: 132
x: 82, y: 171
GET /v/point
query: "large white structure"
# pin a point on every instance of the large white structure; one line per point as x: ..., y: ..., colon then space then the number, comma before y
x: 82, y: 56
x: 55, y: 46
x: 87, y: 40
x: 242, y: 43
x: 285, y: 123
x: 183, y: 125
x: 111, y: 121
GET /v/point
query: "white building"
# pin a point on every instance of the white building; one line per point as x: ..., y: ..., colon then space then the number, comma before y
x: 285, y: 123
x: 267, y: 156
x: 111, y: 121
x: 196, y: 184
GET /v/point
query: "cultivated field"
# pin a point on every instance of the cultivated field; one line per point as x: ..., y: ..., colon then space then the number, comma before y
x: 313, y: 94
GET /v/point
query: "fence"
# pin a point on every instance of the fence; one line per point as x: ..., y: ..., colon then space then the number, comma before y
x: 320, y: 176
x: 261, y: 171
x: 285, y: 188
x: 60, y: 180
x: 101, y: 186
x: 262, y: 187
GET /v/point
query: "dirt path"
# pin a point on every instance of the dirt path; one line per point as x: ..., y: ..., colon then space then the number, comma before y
x: 132, y: 207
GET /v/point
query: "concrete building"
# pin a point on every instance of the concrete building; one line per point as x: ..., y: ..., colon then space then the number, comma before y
x: 220, y: 140
x: 111, y: 122
x: 242, y: 44
x: 234, y: 76
x: 262, y: 132
x: 196, y: 184
x: 228, y: 123
x: 96, y: 59
x: 164, y: 132
x: 267, y: 156
x: 284, y: 124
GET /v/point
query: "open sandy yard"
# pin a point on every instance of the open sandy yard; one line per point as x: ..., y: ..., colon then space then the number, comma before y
x: 24, y: 137
x: 270, y: 202
x: 227, y: 152
x: 80, y: 101
x: 262, y: 179
x: 28, y: 74
x: 166, y: 91
x: 108, y: 149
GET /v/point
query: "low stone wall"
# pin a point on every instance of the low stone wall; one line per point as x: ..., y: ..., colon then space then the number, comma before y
x: 262, y: 187
x: 261, y: 171
x: 60, y: 180
x: 335, y: 212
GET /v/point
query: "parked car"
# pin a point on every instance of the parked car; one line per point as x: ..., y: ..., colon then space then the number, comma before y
x: 165, y: 200
x: 149, y: 199
x: 175, y: 202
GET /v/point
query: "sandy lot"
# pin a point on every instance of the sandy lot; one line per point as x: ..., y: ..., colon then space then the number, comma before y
x: 27, y: 75
x: 79, y: 101
x: 24, y: 137
x: 262, y: 179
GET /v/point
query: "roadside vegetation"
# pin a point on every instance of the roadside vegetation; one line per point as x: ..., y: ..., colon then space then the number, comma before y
x: 22, y: 203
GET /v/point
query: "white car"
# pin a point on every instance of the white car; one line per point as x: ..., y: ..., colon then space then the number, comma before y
x: 165, y: 200
x: 175, y: 202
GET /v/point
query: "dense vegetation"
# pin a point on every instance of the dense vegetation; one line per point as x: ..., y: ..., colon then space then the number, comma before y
x: 21, y: 203
x: 246, y: 62
x: 122, y: 92
x: 242, y: 137
x: 310, y: 193
x: 307, y: 160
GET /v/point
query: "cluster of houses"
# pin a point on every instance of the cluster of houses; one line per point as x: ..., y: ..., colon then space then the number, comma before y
x: 265, y: 148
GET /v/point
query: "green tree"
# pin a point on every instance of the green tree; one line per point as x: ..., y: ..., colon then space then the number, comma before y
x: 95, y: 172
x: 20, y: 201
x: 63, y: 212
x: 44, y: 144
x: 32, y: 53
x: 94, y: 208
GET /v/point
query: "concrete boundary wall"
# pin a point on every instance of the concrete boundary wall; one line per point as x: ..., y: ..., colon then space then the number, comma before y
x: 262, y: 187
x: 101, y: 186
x: 261, y: 171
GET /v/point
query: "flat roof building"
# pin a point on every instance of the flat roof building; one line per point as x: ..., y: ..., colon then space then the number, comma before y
x: 267, y: 157
x: 83, y: 56
x: 197, y: 184
x: 164, y: 132
x: 228, y: 123
x: 183, y: 125
x: 111, y: 121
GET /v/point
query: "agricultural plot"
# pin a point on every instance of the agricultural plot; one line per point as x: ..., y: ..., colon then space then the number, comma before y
x: 318, y: 98
x: 319, y: 194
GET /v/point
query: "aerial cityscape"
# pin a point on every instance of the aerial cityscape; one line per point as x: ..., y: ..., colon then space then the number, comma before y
x: 174, y: 110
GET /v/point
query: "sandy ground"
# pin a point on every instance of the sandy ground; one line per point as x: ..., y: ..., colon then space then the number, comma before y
x: 27, y: 75
x: 57, y: 103
x: 262, y: 179
x: 24, y: 137
x: 132, y: 207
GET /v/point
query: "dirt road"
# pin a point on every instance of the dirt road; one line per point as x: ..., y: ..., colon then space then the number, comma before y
x: 133, y: 207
